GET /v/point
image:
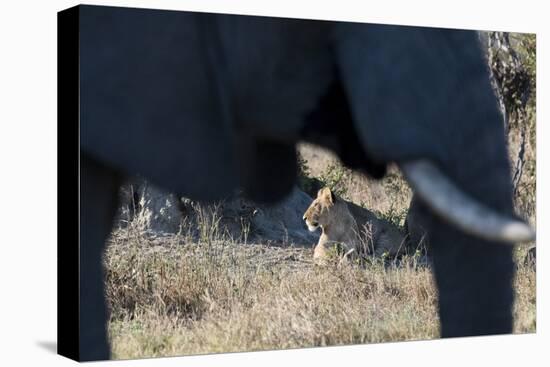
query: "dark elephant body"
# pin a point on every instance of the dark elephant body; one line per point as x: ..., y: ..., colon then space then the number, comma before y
x: 202, y: 104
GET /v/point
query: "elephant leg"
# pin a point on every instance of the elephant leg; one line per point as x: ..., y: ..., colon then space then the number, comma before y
x: 98, y: 202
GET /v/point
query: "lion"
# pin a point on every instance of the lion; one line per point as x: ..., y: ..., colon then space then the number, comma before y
x: 354, y: 230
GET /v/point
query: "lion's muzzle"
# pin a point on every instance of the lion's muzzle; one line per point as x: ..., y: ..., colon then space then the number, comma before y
x: 311, y: 226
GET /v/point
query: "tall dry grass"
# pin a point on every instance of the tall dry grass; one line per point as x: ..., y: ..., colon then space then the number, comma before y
x: 183, y: 294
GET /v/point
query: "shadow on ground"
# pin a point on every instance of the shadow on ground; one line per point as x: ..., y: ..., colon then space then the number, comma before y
x: 50, y: 346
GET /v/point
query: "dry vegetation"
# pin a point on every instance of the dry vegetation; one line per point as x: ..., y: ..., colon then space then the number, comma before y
x: 171, y: 297
x: 177, y: 294
x: 200, y: 291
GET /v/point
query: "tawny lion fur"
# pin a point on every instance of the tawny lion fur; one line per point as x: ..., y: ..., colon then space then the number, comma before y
x: 356, y: 229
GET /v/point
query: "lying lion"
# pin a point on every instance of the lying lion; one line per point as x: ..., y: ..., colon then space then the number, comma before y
x: 347, y: 227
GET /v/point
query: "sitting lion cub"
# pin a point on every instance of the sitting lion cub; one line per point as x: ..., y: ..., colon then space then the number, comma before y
x: 356, y: 229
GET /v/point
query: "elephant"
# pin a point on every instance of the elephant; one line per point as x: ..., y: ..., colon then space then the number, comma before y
x: 202, y: 104
x: 415, y: 230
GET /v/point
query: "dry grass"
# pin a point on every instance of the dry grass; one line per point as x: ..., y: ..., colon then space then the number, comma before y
x: 525, y: 308
x: 174, y: 295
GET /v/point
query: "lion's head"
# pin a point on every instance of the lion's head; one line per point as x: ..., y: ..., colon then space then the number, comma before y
x: 324, y: 210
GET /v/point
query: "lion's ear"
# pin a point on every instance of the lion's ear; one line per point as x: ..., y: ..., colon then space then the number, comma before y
x: 326, y: 194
